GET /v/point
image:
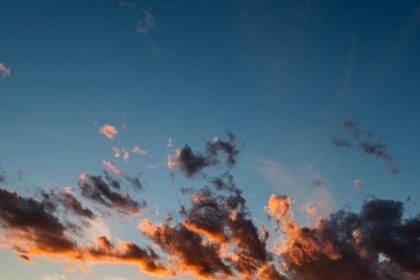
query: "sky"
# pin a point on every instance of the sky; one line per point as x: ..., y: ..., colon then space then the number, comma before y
x: 209, y: 140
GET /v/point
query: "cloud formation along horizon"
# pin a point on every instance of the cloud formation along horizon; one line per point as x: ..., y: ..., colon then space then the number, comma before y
x: 215, y: 236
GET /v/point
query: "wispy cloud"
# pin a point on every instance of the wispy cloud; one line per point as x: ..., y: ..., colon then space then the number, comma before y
x: 365, y: 142
x: 109, y: 131
x: 116, y: 152
x: 4, y: 71
x: 55, y: 277
x: 127, y: 4
x: 137, y: 150
x: 111, y: 167
x: 169, y: 143
x: 143, y: 26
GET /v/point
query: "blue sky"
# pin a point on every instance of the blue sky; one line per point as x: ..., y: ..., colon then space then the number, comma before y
x: 283, y: 77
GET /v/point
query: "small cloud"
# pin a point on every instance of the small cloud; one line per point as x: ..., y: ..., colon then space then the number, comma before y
x: 128, y: 5
x: 137, y: 150
x: 318, y: 183
x: 108, y: 165
x: 116, y: 152
x: 171, y: 159
x: 146, y: 24
x: 126, y: 155
x: 357, y: 183
x: 169, y: 143
x: 311, y: 212
x: 5, y: 71
x: 109, y: 131
x: 55, y: 277
x: 340, y: 142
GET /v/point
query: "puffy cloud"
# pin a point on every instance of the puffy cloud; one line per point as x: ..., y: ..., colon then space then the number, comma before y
x: 191, y: 163
x: 4, y: 71
x: 377, y: 243
x: 108, y: 165
x: 30, y: 228
x: 109, y: 131
x: 137, y: 150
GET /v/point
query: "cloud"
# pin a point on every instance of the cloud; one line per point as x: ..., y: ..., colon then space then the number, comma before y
x: 56, y: 276
x: 108, y: 165
x: 191, y: 163
x: 97, y: 190
x: 4, y: 71
x: 30, y: 228
x: 366, y: 143
x: 214, y: 236
x: 116, y: 152
x: 109, y: 131
x: 348, y: 245
x: 357, y: 183
x: 340, y: 143
x: 126, y: 155
x: 128, y: 5
x: 127, y: 252
x: 137, y: 150
x: 146, y: 24
x: 67, y: 198
x: 169, y: 143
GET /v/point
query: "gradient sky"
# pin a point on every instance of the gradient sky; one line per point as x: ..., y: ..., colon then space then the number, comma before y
x: 322, y: 97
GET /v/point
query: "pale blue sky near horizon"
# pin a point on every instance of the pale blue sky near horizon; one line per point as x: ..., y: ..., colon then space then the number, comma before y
x: 281, y: 75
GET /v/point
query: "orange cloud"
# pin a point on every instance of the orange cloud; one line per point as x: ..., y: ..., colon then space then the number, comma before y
x: 116, y: 152
x: 109, y: 131
x: 311, y: 212
x: 171, y: 159
x: 126, y: 155
x: 357, y: 183
x: 108, y: 165
x: 137, y: 150
x: 5, y: 71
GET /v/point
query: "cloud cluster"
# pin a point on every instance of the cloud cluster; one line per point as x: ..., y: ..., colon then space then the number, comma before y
x: 365, y: 142
x: 214, y: 236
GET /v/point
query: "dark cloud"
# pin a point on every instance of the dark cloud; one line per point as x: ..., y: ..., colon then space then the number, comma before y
x: 191, y: 163
x: 112, y: 181
x: 365, y: 141
x: 318, y: 183
x: 340, y: 142
x: 69, y: 201
x: 2, y: 175
x: 135, y: 182
x: 350, y: 245
x: 31, y: 227
x: 130, y: 253
x: 96, y: 189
